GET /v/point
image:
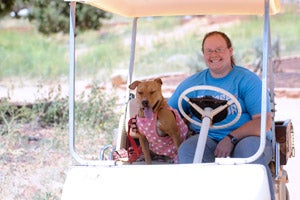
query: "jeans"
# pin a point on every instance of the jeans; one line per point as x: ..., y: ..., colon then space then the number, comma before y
x: 244, y: 148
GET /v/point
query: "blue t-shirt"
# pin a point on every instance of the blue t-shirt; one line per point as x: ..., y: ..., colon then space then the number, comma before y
x: 240, y: 82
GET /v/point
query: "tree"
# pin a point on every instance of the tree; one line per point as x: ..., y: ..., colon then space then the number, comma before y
x: 52, y: 16
x: 6, y: 6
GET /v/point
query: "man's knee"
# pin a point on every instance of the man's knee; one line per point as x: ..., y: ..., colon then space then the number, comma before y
x: 246, y: 147
x: 186, y: 150
x: 249, y: 146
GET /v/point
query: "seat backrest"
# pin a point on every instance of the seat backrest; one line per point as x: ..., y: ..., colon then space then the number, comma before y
x: 132, y: 111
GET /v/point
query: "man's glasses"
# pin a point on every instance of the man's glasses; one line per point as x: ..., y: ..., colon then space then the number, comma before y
x: 217, y: 50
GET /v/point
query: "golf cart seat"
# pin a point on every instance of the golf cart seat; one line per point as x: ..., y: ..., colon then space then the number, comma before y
x: 130, y: 112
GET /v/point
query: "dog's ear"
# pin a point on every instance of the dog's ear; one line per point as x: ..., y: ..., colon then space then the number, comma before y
x: 133, y: 85
x: 158, y: 80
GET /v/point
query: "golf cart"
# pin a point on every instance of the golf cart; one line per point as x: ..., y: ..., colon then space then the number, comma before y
x: 226, y: 178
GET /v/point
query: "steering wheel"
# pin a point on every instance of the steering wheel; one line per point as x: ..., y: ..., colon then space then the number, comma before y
x: 209, y: 112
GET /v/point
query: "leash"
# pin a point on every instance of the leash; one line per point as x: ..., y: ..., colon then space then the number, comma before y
x: 133, y: 150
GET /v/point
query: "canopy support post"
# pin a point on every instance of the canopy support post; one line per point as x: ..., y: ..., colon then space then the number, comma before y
x: 72, y: 96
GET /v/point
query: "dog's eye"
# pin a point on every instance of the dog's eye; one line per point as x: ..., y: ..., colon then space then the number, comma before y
x: 140, y: 93
x: 152, y: 92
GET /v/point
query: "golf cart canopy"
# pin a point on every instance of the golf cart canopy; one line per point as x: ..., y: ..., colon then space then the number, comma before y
x: 142, y: 8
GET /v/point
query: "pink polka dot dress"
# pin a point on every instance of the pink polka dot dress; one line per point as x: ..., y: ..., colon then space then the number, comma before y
x: 161, y: 145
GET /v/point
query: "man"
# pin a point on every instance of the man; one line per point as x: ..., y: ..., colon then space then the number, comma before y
x: 243, y: 138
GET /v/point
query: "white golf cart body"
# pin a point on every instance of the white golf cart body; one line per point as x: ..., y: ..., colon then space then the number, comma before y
x: 227, y: 178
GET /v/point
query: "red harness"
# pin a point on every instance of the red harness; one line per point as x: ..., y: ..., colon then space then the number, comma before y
x: 133, y: 150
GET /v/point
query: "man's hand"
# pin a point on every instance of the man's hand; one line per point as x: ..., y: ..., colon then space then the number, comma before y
x: 224, y: 148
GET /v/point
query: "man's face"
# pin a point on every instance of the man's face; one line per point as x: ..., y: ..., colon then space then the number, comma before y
x: 217, y: 55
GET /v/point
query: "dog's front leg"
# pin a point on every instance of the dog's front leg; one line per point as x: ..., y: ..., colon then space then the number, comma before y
x: 166, y: 123
x: 145, y: 148
x: 175, y: 135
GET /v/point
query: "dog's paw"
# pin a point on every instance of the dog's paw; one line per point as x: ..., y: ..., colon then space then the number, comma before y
x: 133, y: 125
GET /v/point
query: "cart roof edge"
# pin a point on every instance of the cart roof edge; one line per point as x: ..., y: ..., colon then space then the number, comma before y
x: 143, y: 8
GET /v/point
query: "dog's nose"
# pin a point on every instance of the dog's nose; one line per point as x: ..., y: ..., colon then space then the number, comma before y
x: 145, y: 103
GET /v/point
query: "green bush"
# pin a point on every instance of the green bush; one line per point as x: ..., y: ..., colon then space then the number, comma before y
x: 93, y: 111
x: 97, y: 111
x: 12, y: 115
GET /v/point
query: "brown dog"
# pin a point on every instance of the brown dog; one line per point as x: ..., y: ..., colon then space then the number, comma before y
x: 161, y: 129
